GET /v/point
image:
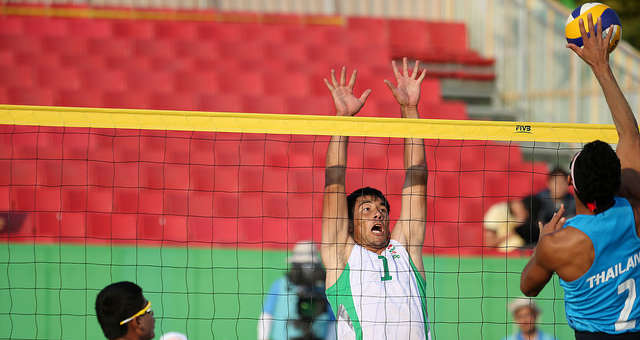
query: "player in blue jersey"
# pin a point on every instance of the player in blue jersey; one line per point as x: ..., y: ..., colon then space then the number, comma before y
x: 596, y: 254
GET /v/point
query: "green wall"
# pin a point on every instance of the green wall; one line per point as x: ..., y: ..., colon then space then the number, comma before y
x: 48, y: 291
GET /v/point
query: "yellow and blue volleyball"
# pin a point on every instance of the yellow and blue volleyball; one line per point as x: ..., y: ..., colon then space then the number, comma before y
x: 610, y: 21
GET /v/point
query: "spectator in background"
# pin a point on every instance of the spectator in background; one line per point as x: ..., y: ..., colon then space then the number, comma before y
x: 500, y: 223
x: 525, y: 313
x: 173, y: 336
x: 296, y: 306
x: 557, y: 193
x: 124, y: 313
x: 529, y: 230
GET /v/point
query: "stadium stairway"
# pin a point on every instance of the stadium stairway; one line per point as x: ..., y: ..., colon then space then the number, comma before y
x: 178, y: 188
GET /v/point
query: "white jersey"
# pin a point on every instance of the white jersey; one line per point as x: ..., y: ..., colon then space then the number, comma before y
x: 380, y: 296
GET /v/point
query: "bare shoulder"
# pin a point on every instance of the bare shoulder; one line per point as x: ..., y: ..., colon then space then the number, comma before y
x: 569, y: 252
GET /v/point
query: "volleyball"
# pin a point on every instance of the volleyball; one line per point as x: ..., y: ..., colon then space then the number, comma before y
x: 610, y: 20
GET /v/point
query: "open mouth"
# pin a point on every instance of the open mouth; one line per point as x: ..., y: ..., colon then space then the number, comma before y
x: 377, y: 229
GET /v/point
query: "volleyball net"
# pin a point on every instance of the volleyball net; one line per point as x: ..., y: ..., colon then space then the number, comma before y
x: 202, y: 210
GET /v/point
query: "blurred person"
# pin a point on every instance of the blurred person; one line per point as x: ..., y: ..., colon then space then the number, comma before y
x: 596, y: 254
x: 529, y: 230
x: 500, y: 223
x: 173, y: 336
x: 124, y: 313
x: 375, y: 276
x: 11, y: 222
x: 296, y: 305
x: 556, y: 194
x: 525, y: 313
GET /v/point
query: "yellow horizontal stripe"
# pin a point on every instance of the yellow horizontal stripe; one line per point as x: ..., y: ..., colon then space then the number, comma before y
x: 572, y: 30
x: 176, y: 15
x: 304, y: 124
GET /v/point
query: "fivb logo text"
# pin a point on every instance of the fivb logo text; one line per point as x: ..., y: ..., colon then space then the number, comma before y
x: 523, y: 129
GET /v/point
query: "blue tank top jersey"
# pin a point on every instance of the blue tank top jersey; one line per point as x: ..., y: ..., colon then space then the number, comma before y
x: 607, y: 297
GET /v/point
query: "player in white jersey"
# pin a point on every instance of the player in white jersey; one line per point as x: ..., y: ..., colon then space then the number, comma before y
x: 375, y: 276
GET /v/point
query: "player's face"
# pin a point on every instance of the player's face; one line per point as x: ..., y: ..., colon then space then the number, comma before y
x: 147, y: 324
x: 371, y: 222
x: 558, y: 186
x: 525, y: 317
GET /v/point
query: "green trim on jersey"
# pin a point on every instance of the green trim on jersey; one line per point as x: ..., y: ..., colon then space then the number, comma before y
x: 340, y: 294
x: 422, y: 289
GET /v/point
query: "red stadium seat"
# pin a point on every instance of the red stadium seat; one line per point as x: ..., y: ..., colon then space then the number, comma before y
x: 74, y: 199
x: 58, y: 78
x: 367, y: 55
x: 223, y: 102
x: 316, y: 105
x: 29, y: 96
x: 110, y: 47
x: 150, y: 227
x: 142, y: 185
x: 154, y: 48
x: 132, y: 29
x: 289, y: 52
x: 246, y: 84
x: 264, y: 104
x: 209, y: 31
x: 175, y: 101
x: 365, y: 32
x: 45, y: 27
x: 82, y: 62
x: 12, y: 24
x: 196, y: 82
x: 67, y: 44
x: 174, y: 31
x: 78, y: 98
x: 285, y: 84
x: 334, y: 54
x: 127, y: 100
x: 100, y: 200
x: 47, y: 224
x: 20, y: 43
x: 23, y: 76
x: 90, y: 28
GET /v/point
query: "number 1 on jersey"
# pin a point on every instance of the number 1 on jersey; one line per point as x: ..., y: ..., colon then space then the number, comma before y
x: 623, y: 322
x: 385, y: 266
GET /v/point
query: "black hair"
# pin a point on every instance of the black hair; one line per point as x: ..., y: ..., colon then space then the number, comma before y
x: 116, y: 302
x: 596, y: 175
x: 366, y: 191
x: 529, y: 230
x: 306, y: 274
x: 558, y: 171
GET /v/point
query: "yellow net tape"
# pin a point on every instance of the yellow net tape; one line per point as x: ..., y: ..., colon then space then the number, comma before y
x: 305, y: 124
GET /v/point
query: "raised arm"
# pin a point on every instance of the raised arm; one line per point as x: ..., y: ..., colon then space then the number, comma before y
x: 335, y: 219
x: 410, y: 228
x: 547, y: 254
x: 596, y: 54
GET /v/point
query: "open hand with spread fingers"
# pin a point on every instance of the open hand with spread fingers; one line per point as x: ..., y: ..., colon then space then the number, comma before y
x: 596, y: 47
x: 345, y: 102
x: 407, y: 91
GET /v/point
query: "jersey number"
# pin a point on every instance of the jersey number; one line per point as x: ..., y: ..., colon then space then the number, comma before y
x: 623, y: 322
x: 385, y: 266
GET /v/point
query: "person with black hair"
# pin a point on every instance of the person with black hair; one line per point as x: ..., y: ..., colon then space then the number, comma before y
x: 124, y: 313
x: 529, y: 230
x: 596, y: 254
x: 556, y: 194
x: 375, y: 276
